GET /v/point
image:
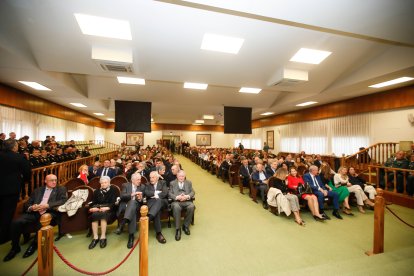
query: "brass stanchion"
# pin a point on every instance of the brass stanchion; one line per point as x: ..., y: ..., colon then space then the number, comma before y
x: 45, y: 247
x: 378, y: 224
x: 143, y: 242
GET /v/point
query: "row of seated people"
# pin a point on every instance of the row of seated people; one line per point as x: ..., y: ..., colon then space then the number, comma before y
x: 401, y: 160
x: 104, y: 207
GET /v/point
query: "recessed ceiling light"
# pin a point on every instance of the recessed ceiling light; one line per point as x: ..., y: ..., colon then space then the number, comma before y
x: 111, y: 119
x: 306, y: 103
x: 99, y: 114
x: 221, y: 43
x: 250, y: 90
x: 391, y: 82
x: 196, y: 124
x: 152, y: 119
x: 128, y: 80
x: 267, y: 113
x: 208, y: 117
x: 193, y: 85
x: 78, y: 104
x: 102, y: 26
x: 35, y: 85
x: 311, y: 56
x: 199, y: 121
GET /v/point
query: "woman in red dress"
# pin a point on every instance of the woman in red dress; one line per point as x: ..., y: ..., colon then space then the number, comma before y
x: 293, y: 182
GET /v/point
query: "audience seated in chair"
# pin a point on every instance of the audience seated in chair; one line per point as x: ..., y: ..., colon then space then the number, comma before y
x: 106, y: 170
x: 43, y: 200
x: 356, y: 179
x: 260, y: 179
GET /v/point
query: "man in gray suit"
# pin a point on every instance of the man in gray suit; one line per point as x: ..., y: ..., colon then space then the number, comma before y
x: 156, y: 193
x: 131, y: 201
x: 182, y: 194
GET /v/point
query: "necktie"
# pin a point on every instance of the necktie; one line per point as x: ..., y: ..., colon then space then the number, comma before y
x: 45, y: 199
x: 105, y: 172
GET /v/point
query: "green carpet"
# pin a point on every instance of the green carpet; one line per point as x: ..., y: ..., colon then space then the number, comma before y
x: 234, y: 236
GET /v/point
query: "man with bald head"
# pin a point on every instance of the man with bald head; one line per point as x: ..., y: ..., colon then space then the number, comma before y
x: 182, y: 194
x: 44, y: 199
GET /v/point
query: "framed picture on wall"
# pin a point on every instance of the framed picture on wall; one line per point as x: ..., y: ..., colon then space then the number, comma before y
x: 203, y: 139
x: 132, y: 138
x: 270, y: 139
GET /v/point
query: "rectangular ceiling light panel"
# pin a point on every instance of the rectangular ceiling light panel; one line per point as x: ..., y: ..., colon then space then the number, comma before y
x: 311, y: 56
x: 35, y: 85
x: 221, y: 43
x: 193, y: 85
x: 104, y: 27
x: 391, y: 82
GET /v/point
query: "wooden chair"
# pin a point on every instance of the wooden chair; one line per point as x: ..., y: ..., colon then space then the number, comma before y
x: 73, y: 183
x: 144, y: 180
x: 234, y: 174
x: 94, y: 183
x: 119, y: 180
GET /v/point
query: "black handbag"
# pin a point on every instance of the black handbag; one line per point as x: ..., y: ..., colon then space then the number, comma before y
x: 304, y: 189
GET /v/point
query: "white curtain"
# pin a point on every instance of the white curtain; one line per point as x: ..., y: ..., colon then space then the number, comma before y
x: 37, y: 126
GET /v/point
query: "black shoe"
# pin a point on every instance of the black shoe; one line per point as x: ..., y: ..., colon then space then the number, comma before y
x: 89, y: 233
x: 93, y: 243
x: 119, y: 230
x: 13, y: 252
x: 336, y: 214
x: 178, y: 234
x: 160, y: 238
x: 318, y: 218
x: 186, y: 230
x: 265, y: 205
x: 29, y: 252
x: 130, y: 243
x: 102, y: 243
x: 325, y: 215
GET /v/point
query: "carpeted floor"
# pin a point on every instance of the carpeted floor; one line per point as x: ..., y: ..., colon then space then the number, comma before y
x: 234, y: 236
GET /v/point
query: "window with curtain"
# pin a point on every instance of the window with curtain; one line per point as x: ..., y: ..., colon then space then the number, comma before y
x: 249, y: 143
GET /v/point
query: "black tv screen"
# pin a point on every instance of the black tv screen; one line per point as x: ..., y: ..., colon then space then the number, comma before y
x: 238, y: 120
x: 132, y: 116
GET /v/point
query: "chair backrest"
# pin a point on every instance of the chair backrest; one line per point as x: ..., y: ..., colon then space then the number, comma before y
x: 301, y: 170
x: 119, y: 180
x: 144, y: 180
x: 94, y: 183
x: 90, y: 194
x: 117, y: 190
x: 73, y: 183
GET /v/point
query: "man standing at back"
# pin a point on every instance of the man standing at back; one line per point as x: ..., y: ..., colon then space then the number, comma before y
x: 182, y: 194
x: 14, y: 171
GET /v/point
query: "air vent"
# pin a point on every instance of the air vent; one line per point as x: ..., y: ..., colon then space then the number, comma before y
x: 288, y: 77
x: 116, y: 67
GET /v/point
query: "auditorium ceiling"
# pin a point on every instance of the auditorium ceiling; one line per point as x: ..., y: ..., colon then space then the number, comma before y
x: 370, y: 41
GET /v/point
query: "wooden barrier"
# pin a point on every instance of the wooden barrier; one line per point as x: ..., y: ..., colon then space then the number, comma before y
x: 378, y: 224
x: 45, y: 247
x: 143, y: 242
x: 377, y: 168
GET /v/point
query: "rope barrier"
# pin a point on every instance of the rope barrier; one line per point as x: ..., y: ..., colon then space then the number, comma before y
x: 30, y: 267
x: 412, y: 226
x: 93, y: 273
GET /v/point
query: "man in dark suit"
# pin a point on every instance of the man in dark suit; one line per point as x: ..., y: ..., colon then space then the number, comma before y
x: 318, y: 189
x: 261, y: 181
x: 156, y: 193
x: 93, y: 170
x: 14, y: 171
x: 182, y: 194
x: 271, y: 170
x: 131, y: 201
x: 245, y: 172
x: 44, y: 199
x: 318, y: 161
x: 106, y: 170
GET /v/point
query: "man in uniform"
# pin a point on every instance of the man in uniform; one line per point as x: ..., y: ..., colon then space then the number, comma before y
x: 395, y: 162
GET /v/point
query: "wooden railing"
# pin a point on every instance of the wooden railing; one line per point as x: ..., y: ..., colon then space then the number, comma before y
x: 376, y: 169
x: 375, y: 154
x: 105, y: 144
x: 64, y: 171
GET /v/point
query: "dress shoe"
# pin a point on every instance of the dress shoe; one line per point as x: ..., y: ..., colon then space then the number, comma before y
x: 186, y: 230
x: 29, y: 252
x: 118, y: 230
x: 325, y: 216
x: 265, y: 206
x: 93, y: 243
x: 130, y: 243
x: 318, y: 218
x: 102, y: 243
x: 160, y: 238
x: 11, y: 254
x: 336, y: 214
x: 178, y: 234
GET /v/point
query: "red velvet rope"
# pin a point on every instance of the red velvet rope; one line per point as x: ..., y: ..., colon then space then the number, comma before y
x: 399, y: 217
x: 93, y: 273
x: 30, y: 267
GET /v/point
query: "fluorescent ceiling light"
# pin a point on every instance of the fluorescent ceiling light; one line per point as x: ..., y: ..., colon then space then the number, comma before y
x: 391, y: 82
x: 250, y: 90
x: 35, y: 85
x: 221, y: 43
x: 78, y: 104
x: 199, y: 121
x: 208, y: 117
x: 311, y: 56
x: 267, y: 113
x: 306, y: 103
x: 111, y: 119
x: 128, y: 80
x: 102, y: 26
x: 99, y: 114
x: 152, y: 119
x: 193, y: 85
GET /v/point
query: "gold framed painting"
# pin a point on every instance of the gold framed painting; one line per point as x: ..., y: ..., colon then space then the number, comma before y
x: 270, y: 139
x: 132, y: 138
x: 203, y: 139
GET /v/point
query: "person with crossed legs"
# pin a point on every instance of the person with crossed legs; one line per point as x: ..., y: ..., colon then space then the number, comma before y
x: 314, y: 180
x: 182, y: 194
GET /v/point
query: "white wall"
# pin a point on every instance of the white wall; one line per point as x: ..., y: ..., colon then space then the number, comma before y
x: 392, y: 126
